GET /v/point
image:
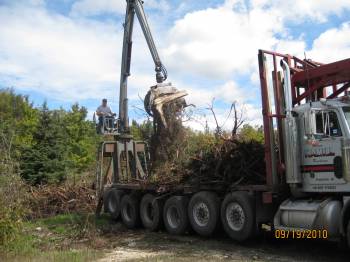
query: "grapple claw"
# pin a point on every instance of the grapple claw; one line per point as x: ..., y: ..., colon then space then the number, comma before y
x: 160, y: 95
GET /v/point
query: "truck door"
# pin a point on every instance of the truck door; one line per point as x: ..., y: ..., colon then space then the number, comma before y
x: 321, y: 160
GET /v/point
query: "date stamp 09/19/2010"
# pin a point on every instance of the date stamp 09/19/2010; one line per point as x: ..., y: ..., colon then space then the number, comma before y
x: 301, y: 234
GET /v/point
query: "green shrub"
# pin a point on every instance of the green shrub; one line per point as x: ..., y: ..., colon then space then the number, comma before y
x: 10, y: 226
x: 12, y: 208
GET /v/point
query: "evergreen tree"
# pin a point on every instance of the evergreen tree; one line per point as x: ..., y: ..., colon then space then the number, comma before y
x: 46, y: 160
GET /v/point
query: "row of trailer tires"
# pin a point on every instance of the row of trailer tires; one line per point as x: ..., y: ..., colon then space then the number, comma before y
x: 202, y: 212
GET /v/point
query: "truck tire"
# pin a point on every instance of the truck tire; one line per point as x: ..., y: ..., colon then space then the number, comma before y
x: 113, y: 202
x: 105, y: 200
x: 204, y: 212
x: 237, y: 215
x: 175, y: 215
x: 151, y: 212
x: 130, y: 211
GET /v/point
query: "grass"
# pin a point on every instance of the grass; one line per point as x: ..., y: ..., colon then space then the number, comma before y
x: 57, y: 238
x: 63, y: 255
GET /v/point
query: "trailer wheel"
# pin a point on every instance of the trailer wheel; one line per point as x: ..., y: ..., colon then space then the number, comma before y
x: 175, y: 215
x: 151, y: 212
x: 113, y: 202
x: 130, y: 211
x: 237, y: 215
x: 203, y: 212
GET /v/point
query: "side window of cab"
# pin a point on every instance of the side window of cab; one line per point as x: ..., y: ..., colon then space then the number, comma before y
x: 327, y: 124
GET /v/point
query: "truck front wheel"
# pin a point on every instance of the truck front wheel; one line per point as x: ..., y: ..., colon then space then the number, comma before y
x: 175, y: 215
x: 237, y: 215
x: 203, y: 212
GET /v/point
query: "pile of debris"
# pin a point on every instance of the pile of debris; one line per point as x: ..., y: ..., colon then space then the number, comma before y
x: 50, y: 200
x: 166, y: 144
x: 231, y: 161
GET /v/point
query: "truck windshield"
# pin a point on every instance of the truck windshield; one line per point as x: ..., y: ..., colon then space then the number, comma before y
x: 347, y: 114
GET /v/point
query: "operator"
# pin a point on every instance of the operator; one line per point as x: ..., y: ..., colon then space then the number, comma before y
x: 105, y: 112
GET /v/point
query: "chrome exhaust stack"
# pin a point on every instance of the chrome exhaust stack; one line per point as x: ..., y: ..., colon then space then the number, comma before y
x: 291, y: 149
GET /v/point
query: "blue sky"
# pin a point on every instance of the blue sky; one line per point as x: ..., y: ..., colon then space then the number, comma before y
x: 67, y: 51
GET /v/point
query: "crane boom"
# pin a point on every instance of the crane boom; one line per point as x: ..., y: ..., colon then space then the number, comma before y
x: 161, y: 74
x: 135, y: 6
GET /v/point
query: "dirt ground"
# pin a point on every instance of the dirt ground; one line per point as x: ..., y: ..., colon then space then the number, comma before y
x: 140, y: 245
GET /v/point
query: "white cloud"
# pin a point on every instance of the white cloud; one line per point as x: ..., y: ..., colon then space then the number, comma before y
x: 70, y: 59
x: 252, y: 114
x: 222, y: 96
x: 62, y: 57
x: 93, y: 7
x: 301, y: 10
x: 332, y: 45
x: 227, y: 93
x: 219, y: 42
x: 293, y: 47
x: 230, y: 92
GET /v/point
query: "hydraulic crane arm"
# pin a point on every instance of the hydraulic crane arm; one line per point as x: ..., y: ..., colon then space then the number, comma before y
x: 135, y: 6
x: 161, y: 73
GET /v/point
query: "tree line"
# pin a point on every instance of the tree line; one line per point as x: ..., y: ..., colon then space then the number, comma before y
x: 43, y: 145
x: 48, y: 146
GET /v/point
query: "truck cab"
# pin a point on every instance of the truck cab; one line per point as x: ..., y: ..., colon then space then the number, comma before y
x: 323, y: 128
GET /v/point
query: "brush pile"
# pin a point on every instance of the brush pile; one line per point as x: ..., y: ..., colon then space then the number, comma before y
x: 232, y: 162
x: 50, y: 200
x: 166, y: 142
x: 229, y: 161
